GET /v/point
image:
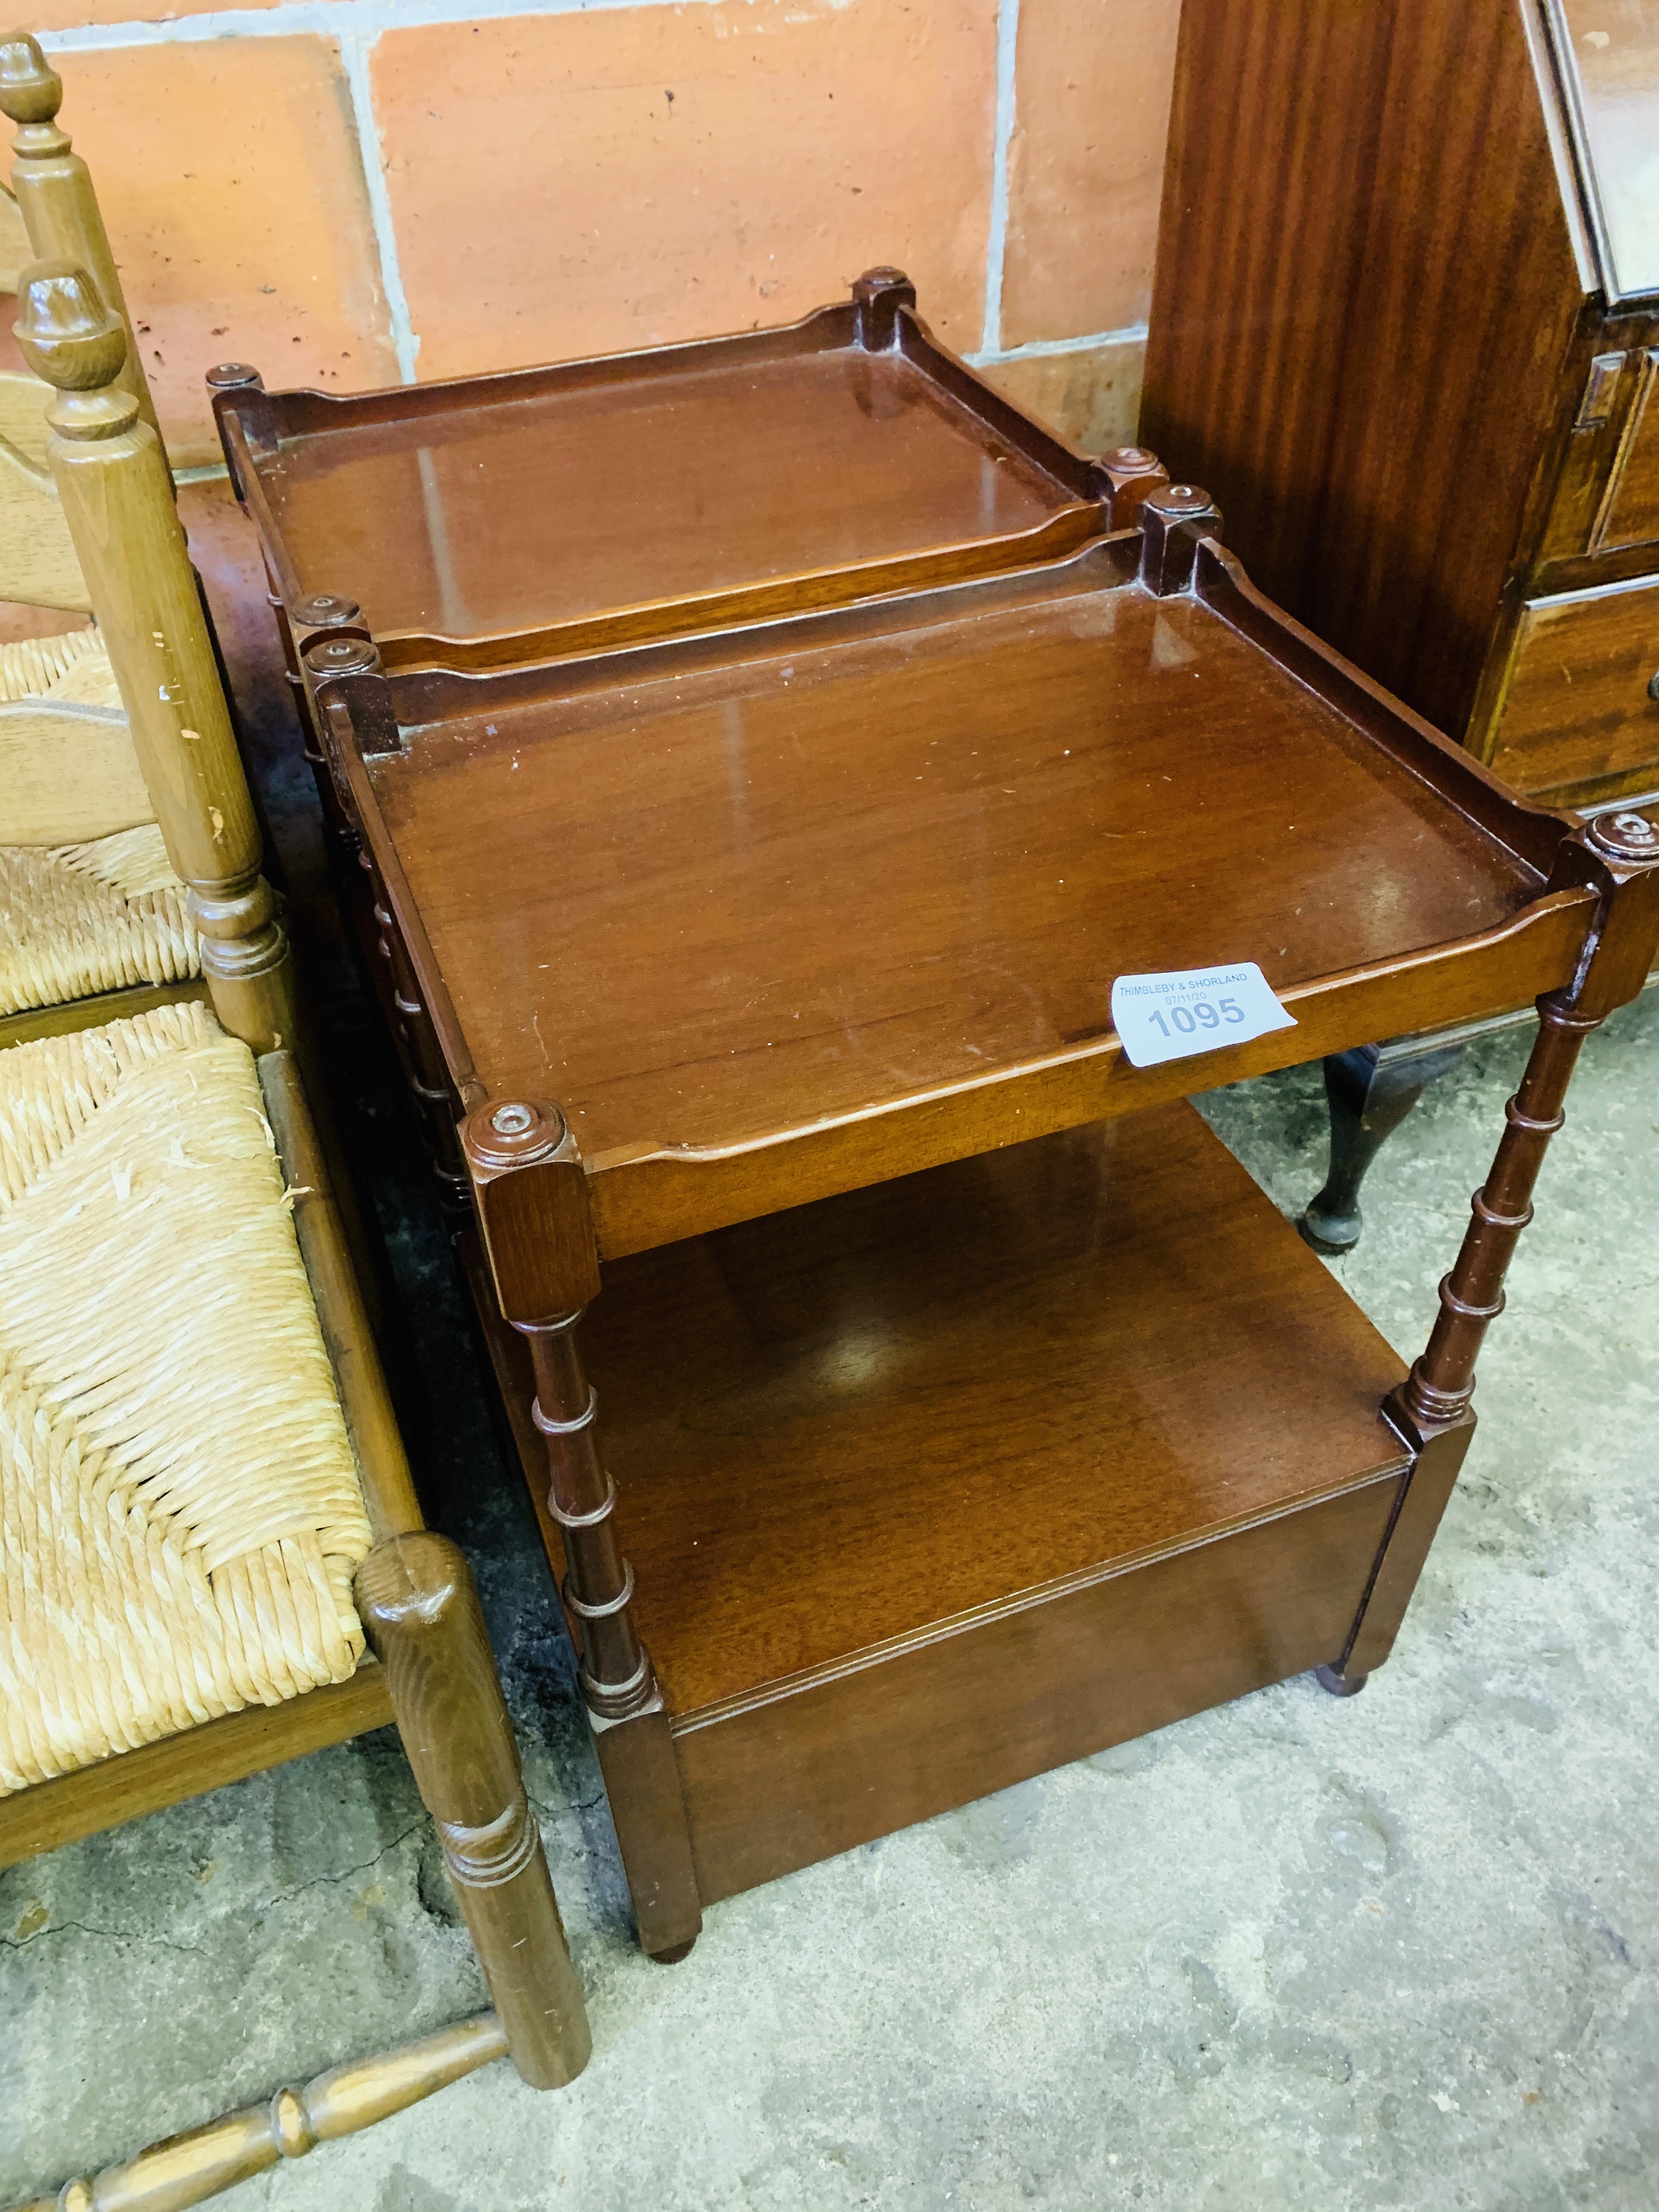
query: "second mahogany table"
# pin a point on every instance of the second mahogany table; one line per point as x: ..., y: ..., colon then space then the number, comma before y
x: 965, y: 1406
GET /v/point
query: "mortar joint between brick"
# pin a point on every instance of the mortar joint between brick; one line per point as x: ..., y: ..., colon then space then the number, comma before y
x: 996, y: 242
x: 356, y: 43
x: 1040, y: 349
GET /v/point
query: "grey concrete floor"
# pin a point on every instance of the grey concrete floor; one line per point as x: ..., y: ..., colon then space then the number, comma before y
x: 1399, y: 1951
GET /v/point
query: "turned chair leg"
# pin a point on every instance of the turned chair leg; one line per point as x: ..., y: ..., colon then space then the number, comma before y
x: 1370, y: 1089
x: 1432, y: 1408
x: 624, y: 1703
x: 419, y: 1612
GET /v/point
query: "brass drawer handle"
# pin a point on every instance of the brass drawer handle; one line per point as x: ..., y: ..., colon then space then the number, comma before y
x: 1653, y: 684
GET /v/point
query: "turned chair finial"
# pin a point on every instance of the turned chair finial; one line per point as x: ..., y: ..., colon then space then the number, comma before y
x: 31, y: 90
x: 66, y: 333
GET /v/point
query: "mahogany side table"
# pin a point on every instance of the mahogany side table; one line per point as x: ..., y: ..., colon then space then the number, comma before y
x: 750, y: 937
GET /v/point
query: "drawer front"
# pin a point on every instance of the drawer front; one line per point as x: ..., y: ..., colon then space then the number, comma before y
x: 1577, y: 719
x: 1629, y: 513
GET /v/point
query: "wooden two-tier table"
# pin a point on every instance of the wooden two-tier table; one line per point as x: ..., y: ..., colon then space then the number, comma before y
x: 765, y: 756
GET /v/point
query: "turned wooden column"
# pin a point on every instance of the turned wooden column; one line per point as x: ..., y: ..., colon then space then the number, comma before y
x: 189, y: 2169
x: 419, y: 1612
x: 55, y: 195
x: 531, y: 1194
x: 419, y: 1050
x: 350, y: 703
x: 1619, y: 856
x: 118, y: 500
x: 1442, y: 1382
x: 1173, y: 518
x: 1128, y: 476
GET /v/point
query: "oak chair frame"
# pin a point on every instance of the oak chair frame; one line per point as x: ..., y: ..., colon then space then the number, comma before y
x: 50, y: 212
x: 432, y: 1671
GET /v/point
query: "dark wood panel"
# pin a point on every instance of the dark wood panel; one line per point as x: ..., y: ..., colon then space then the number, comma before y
x: 1267, y: 189
x: 778, y: 1785
x: 1455, y: 346
x: 1360, y: 325
x: 859, y: 1420
x: 1577, y: 713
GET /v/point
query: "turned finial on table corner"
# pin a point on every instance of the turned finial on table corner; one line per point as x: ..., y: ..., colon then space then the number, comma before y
x: 878, y: 294
x: 67, y: 334
x: 31, y: 90
x: 1173, y: 518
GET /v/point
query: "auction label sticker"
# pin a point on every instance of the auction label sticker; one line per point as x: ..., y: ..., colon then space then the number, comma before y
x: 1160, y: 1017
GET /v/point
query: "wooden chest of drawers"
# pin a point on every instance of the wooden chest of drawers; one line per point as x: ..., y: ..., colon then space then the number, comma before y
x: 1405, y: 330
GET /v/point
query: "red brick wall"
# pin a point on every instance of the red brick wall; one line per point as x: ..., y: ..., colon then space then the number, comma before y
x: 348, y: 192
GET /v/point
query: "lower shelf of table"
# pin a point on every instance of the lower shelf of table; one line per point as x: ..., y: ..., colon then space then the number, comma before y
x: 935, y: 1486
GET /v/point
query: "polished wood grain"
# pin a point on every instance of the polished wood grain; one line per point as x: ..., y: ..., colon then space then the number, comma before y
x: 1466, y: 303
x: 1419, y: 1508
x: 625, y: 1704
x: 421, y: 1614
x: 819, y: 1426
x: 916, y: 1481
x: 1267, y: 191
x: 1005, y: 794
x: 840, y: 1761
x: 816, y: 1424
x: 530, y: 1198
x: 558, y: 510
x: 1590, y: 532
x: 1430, y: 1410
x: 636, y: 1750
x: 1577, y: 718
x: 1438, y: 1391
x: 1365, y: 300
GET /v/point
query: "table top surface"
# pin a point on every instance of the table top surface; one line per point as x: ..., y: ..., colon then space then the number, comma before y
x: 871, y: 855
x: 536, y: 501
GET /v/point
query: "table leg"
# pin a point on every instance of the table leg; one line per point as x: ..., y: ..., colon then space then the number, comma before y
x: 419, y: 1052
x: 419, y: 1612
x: 1431, y: 1408
x: 1370, y: 1089
x: 624, y: 1703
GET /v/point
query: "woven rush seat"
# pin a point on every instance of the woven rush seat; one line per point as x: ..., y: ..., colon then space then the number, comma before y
x: 180, y: 1513
x: 74, y: 667
x: 100, y: 914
